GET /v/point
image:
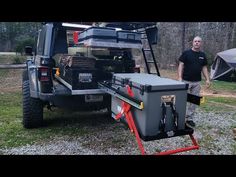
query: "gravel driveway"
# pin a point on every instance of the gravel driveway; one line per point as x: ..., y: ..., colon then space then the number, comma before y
x: 213, y: 133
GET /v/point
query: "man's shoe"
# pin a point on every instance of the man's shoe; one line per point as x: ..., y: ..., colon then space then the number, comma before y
x: 190, y: 123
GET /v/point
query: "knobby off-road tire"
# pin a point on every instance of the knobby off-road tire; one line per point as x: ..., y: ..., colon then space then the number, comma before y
x: 32, y: 107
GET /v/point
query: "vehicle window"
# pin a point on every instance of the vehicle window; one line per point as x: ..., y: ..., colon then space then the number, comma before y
x: 60, y: 42
x: 41, y: 41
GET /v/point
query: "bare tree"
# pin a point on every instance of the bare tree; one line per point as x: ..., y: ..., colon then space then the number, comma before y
x: 183, y: 35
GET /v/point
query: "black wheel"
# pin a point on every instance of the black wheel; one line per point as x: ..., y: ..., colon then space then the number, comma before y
x: 32, y: 107
x: 25, y: 76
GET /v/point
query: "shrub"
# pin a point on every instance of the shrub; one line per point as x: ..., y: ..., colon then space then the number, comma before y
x: 20, y: 46
x: 18, y: 59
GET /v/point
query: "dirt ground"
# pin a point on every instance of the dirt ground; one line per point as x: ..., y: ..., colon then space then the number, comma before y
x: 11, y: 81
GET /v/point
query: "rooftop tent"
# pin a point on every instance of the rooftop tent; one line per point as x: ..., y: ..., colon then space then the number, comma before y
x: 224, y: 66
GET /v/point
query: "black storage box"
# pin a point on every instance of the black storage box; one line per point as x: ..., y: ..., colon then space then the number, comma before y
x: 79, y: 73
x: 78, y: 79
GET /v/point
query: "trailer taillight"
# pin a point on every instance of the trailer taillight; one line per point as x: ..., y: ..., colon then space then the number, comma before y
x: 44, y: 74
x: 76, y: 37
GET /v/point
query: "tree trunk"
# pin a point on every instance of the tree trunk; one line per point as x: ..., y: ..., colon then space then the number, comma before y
x: 183, y: 35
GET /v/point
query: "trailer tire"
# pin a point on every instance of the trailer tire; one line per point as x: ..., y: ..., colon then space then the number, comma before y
x: 32, y: 107
x: 25, y: 76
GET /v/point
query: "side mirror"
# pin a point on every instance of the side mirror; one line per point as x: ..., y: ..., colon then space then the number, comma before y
x: 152, y: 34
x: 28, y: 50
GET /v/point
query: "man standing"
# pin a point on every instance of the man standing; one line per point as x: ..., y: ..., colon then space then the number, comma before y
x: 192, y: 63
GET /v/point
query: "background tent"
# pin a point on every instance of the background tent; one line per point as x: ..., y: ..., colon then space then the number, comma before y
x: 224, y: 66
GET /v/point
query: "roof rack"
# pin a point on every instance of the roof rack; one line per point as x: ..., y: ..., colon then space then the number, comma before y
x: 129, y: 25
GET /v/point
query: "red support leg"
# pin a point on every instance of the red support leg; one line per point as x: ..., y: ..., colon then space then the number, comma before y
x: 140, y: 145
x: 195, y: 146
x: 129, y: 118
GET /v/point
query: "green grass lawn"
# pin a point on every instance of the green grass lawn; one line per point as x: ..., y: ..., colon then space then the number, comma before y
x: 222, y: 86
x: 58, y: 123
x: 218, y: 104
x: 223, y: 100
x: 11, y: 131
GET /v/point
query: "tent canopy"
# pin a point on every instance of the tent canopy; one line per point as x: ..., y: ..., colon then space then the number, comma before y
x: 228, y: 55
x: 224, y: 66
